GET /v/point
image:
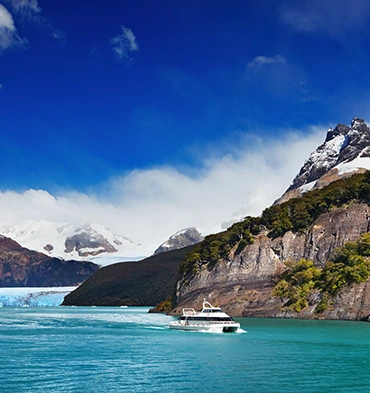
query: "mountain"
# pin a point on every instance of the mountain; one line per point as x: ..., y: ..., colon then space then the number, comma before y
x: 324, y: 213
x: 67, y: 241
x: 346, y: 151
x: 142, y: 283
x: 180, y: 239
x: 238, y: 268
x: 21, y: 267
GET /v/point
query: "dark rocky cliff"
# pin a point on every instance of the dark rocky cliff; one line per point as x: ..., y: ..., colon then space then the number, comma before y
x: 20, y: 267
x: 242, y: 283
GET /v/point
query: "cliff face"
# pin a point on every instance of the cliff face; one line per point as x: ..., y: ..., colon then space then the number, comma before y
x: 242, y: 284
x: 20, y: 267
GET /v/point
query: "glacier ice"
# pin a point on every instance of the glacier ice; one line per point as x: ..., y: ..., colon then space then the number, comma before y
x: 33, y: 297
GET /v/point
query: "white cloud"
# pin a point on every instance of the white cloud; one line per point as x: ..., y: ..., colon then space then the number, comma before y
x: 6, y: 19
x: 124, y: 45
x: 30, y: 11
x: 150, y: 205
x: 265, y: 60
x: 276, y: 75
x: 60, y: 36
x: 9, y: 37
x: 334, y: 17
x: 27, y: 9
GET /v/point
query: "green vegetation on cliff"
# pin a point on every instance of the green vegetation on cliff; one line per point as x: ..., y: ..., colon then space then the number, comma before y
x: 294, y: 215
x: 142, y: 283
x: 350, y: 264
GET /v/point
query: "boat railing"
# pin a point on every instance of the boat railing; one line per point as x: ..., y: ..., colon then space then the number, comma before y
x: 188, y: 311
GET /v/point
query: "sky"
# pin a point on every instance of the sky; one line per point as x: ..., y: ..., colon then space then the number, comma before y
x: 153, y: 116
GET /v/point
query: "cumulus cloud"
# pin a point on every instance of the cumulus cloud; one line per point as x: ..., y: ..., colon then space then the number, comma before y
x: 124, y: 45
x: 150, y: 205
x: 9, y: 37
x: 333, y: 17
x: 260, y: 61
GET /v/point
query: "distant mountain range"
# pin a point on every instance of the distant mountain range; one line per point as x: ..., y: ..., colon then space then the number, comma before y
x: 91, y: 242
x: 67, y: 241
x: 66, y: 250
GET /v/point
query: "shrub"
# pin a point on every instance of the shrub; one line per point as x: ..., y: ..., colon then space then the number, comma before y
x: 350, y: 265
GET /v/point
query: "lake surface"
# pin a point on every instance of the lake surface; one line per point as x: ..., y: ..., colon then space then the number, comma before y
x: 88, y: 349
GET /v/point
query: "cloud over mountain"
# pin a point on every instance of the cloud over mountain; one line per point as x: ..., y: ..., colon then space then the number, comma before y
x: 150, y: 205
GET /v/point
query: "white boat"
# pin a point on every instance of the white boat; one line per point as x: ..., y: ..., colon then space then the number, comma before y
x: 209, y: 319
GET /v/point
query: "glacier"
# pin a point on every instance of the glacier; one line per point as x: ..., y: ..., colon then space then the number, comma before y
x: 33, y: 297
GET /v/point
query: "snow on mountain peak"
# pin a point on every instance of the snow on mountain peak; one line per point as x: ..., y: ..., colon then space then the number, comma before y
x: 345, y: 150
x: 180, y: 239
x: 68, y: 241
x: 356, y: 123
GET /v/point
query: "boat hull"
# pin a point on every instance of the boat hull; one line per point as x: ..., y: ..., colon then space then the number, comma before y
x: 206, y: 328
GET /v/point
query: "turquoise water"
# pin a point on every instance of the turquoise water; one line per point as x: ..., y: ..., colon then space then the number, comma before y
x: 83, y: 349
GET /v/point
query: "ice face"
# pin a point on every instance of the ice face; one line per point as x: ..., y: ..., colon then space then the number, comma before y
x: 33, y: 297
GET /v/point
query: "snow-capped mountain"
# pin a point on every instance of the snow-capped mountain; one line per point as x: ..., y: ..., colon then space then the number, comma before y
x: 346, y: 151
x: 92, y: 242
x: 180, y: 239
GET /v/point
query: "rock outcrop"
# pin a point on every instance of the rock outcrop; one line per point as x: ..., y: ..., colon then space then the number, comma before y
x: 243, y: 283
x: 88, y: 242
x: 21, y: 267
x: 184, y: 238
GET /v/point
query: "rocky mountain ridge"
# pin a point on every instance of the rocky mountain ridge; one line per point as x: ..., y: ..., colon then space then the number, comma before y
x: 345, y: 151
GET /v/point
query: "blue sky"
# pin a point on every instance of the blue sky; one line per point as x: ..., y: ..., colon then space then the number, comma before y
x: 93, y: 93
